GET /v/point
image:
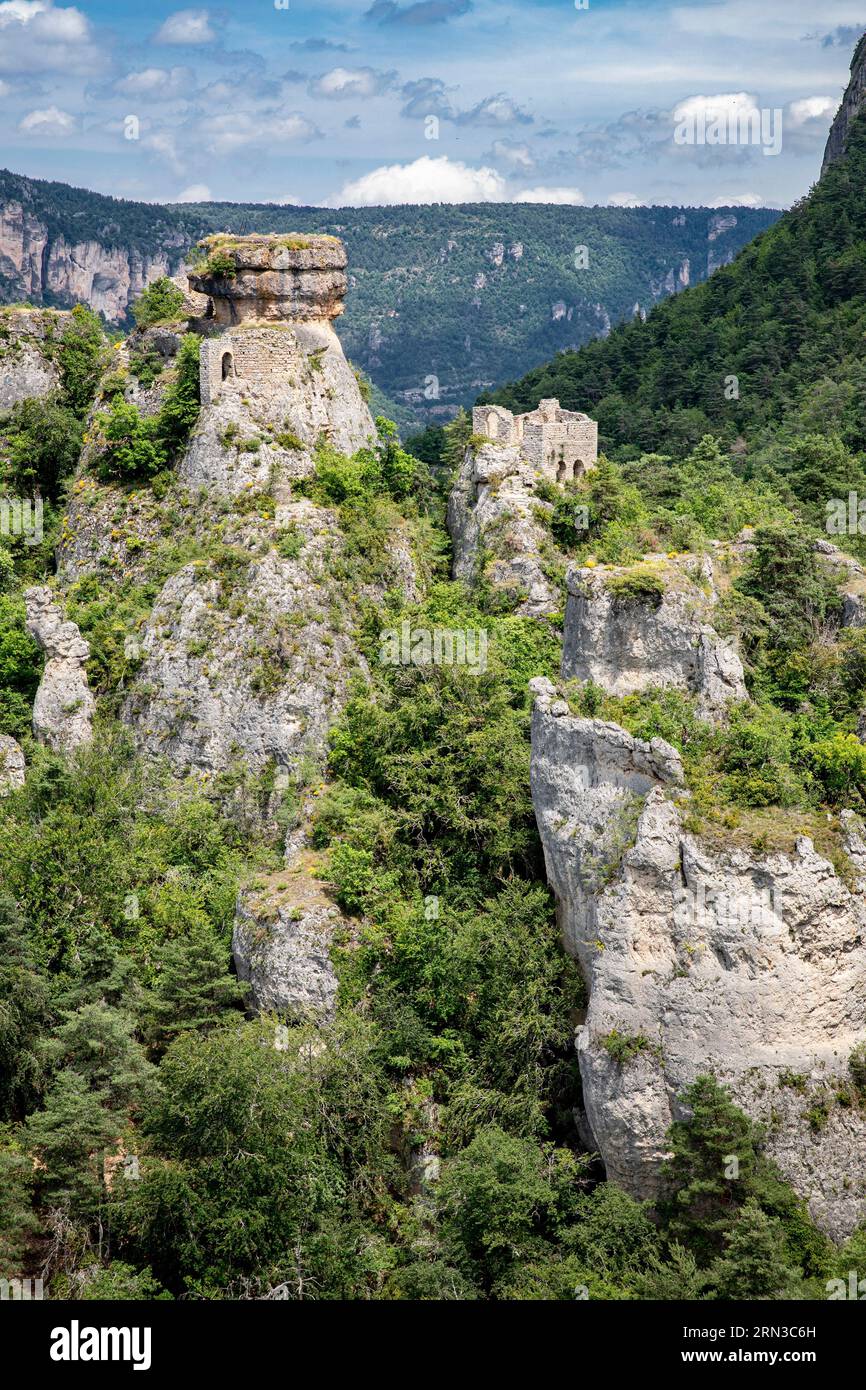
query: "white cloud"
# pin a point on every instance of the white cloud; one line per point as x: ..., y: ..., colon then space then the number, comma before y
x: 811, y: 109
x: 719, y: 107
x: 740, y: 200
x: 517, y: 156
x: 625, y: 200
x: 50, y: 121
x: 565, y: 196
x: 36, y: 37
x: 341, y: 83
x: 162, y: 143
x: 228, y: 132
x: 426, y: 180
x: 187, y: 27
x: 498, y: 110
x: 195, y: 193
x: 157, y: 83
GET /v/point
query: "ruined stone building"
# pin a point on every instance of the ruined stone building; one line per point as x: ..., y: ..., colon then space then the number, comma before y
x: 264, y: 306
x: 560, y: 444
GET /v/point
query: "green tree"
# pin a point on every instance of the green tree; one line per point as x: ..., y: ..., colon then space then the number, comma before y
x: 754, y: 1263
x: 81, y: 358
x: 193, y: 990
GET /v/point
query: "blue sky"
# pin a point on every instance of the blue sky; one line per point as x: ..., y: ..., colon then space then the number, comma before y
x: 370, y: 101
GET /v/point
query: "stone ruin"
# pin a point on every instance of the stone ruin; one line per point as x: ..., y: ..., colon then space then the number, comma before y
x: 560, y: 444
x: 277, y: 283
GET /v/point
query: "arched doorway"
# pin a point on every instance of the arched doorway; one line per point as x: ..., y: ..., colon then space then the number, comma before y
x: 228, y: 366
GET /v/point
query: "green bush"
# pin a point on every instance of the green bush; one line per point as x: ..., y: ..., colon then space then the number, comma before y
x: 161, y: 302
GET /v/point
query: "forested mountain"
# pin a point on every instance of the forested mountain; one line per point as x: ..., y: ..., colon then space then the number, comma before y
x: 772, y: 345
x: 444, y: 301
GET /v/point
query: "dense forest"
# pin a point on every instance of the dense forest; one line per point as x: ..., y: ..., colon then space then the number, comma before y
x: 769, y: 348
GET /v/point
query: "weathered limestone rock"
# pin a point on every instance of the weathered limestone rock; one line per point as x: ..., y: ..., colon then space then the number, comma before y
x: 852, y: 104
x: 64, y: 706
x: 281, y: 943
x: 705, y: 959
x: 626, y: 644
x: 26, y: 365
x: 245, y: 668
x: 274, y: 277
x: 12, y: 765
x: 492, y: 510
x: 272, y: 360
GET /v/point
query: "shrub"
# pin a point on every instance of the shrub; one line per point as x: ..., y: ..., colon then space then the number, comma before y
x: 161, y: 302
x: 641, y: 585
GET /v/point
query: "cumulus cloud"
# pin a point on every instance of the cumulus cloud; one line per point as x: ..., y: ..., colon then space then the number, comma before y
x: 723, y: 106
x: 515, y: 156
x: 187, y: 27
x: 342, y: 83
x: 223, y: 134
x: 498, y: 110
x: 811, y: 109
x: 151, y: 84
x: 564, y: 196
x: 426, y: 180
x: 739, y: 200
x: 423, y: 12
x: 37, y: 37
x: 51, y: 122
x: 625, y: 200
x: 195, y: 193
x: 427, y: 96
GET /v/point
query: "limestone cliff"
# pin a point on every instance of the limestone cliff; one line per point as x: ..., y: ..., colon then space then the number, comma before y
x: 64, y: 705
x: 700, y: 957
x: 626, y: 641
x: 244, y: 653
x: 493, y: 518
x: 852, y: 103
x: 45, y: 266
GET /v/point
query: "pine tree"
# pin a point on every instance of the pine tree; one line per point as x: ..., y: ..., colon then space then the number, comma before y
x: 193, y: 990
x: 754, y: 1264
x: 713, y: 1163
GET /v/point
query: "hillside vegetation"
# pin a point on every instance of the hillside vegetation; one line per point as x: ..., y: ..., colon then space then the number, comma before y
x: 770, y: 348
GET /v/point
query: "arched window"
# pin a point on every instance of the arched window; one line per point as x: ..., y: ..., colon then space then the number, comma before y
x: 228, y: 367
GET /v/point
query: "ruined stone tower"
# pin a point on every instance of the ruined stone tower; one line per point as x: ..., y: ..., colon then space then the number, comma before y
x: 268, y: 335
x: 560, y: 444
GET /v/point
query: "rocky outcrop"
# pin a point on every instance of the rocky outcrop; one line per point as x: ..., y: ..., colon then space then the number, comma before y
x: 12, y: 765
x: 493, y: 519
x: 700, y: 958
x: 281, y: 945
x: 271, y: 278
x: 27, y: 362
x: 852, y: 103
x: 246, y: 663
x: 625, y: 635
x: 64, y: 706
